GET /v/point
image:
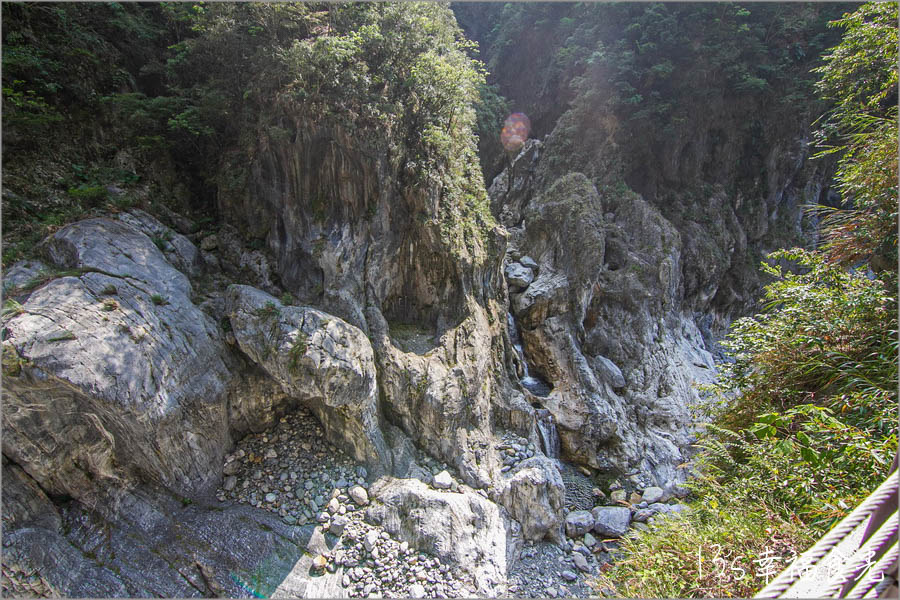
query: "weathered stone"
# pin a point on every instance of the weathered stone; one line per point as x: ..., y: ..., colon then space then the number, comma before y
x: 580, y: 562
x: 527, y: 261
x: 463, y: 530
x: 179, y: 250
x: 317, y: 358
x: 653, y: 494
x: 370, y: 540
x: 209, y: 243
x: 611, y: 521
x: 442, y: 480
x: 586, y: 320
x: 134, y: 385
x: 518, y: 276
x: 608, y: 370
x: 534, y: 494
x: 359, y: 495
x: 229, y: 483
x: 337, y: 526
x: 578, y: 523
x: 23, y: 274
x: 417, y: 590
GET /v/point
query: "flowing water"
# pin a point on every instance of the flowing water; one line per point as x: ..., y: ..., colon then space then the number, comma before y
x: 546, y: 425
x: 535, y: 385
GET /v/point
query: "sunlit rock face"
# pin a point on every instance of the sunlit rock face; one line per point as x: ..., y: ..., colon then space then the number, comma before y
x: 122, y: 378
x: 604, y: 321
x: 350, y: 238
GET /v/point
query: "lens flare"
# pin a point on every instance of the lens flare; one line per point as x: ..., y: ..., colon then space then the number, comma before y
x: 515, y: 132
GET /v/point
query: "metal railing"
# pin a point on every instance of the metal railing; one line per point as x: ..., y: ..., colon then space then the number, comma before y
x: 856, y: 559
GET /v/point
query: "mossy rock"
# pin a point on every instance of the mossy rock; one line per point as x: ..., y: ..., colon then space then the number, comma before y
x: 12, y: 362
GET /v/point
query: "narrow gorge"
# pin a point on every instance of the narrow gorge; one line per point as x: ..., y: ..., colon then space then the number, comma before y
x: 313, y: 332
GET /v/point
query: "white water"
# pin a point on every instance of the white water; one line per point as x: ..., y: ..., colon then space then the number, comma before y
x: 536, y: 386
x: 546, y: 425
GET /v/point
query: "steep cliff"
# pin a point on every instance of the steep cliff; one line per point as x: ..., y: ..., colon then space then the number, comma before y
x: 674, y: 156
x: 320, y: 300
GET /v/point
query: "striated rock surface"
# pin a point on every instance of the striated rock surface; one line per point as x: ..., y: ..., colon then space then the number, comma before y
x: 116, y: 376
x: 533, y: 492
x: 603, y: 322
x: 462, y: 528
x: 317, y: 358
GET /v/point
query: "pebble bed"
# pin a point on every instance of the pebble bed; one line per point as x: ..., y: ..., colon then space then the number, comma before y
x: 293, y: 471
x: 545, y: 569
x: 513, y: 450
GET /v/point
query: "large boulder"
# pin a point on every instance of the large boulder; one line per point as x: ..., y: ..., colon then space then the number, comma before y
x: 533, y: 491
x: 611, y: 521
x: 578, y: 523
x: 317, y: 358
x: 111, y: 374
x: 463, y: 529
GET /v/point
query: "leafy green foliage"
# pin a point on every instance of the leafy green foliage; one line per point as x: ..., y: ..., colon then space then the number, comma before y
x: 860, y: 75
x: 806, y: 427
x: 828, y: 332
x: 491, y: 110
x: 297, y: 351
x: 719, y: 550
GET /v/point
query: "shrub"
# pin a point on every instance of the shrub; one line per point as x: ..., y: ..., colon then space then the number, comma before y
x: 89, y: 195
